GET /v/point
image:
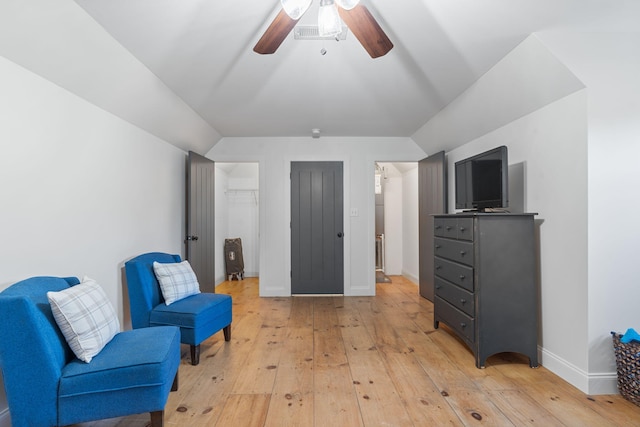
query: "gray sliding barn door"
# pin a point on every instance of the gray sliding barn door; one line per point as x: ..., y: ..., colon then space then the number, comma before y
x: 432, y: 199
x: 317, y: 249
x: 200, y: 219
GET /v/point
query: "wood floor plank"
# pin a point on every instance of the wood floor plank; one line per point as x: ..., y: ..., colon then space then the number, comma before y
x: 248, y: 410
x: 328, y: 345
x: 258, y: 374
x: 520, y: 410
x: 292, y: 398
x: 335, y: 400
x: 378, y: 398
x: 423, y: 401
x: 464, y: 397
x: 363, y: 361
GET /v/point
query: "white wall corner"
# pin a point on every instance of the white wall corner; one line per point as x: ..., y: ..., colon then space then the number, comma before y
x: 100, y: 64
x: 603, y: 383
x: 525, y: 80
x: 410, y: 277
x: 588, y: 383
x: 567, y: 371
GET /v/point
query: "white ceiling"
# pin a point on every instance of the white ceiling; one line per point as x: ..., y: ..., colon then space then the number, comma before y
x: 202, y: 50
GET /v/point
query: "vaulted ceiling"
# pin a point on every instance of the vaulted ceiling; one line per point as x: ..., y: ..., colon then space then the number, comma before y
x: 202, y: 50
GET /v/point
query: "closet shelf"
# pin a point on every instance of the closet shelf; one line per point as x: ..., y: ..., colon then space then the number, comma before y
x: 239, y: 191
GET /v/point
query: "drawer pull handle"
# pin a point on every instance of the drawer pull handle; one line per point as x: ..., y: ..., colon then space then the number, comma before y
x: 463, y: 301
x: 448, y: 227
x: 462, y: 277
x: 438, y: 286
x: 437, y: 246
x: 438, y: 267
x: 438, y: 227
x: 463, y: 325
x: 462, y: 229
x: 463, y: 253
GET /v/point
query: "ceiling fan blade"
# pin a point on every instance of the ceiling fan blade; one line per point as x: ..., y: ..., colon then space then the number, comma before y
x: 275, y: 34
x: 367, y: 30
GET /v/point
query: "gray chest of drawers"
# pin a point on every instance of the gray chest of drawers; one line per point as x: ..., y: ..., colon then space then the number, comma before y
x: 485, y: 282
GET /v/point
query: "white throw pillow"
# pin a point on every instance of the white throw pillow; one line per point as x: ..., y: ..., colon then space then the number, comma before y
x: 85, y: 316
x: 177, y: 280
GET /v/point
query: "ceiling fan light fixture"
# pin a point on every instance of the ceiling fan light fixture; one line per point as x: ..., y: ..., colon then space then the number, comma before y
x: 347, y: 4
x: 329, y: 23
x: 295, y: 8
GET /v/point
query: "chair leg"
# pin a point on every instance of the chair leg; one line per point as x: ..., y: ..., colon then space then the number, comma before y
x: 174, y: 386
x: 227, y: 332
x: 157, y: 419
x: 195, y: 354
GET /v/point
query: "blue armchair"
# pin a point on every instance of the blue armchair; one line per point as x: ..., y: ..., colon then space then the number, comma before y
x: 199, y: 316
x: 46, y: 385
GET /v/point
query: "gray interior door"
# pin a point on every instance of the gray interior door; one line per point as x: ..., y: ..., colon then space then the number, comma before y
x: 200, y: 219
x: 432, y: 199
x: 317, y: 249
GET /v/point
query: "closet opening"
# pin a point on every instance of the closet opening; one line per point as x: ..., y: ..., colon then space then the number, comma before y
x: 237, y: 217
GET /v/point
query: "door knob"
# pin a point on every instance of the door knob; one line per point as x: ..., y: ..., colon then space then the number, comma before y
x: 194, y: 238
x: 340, y: 234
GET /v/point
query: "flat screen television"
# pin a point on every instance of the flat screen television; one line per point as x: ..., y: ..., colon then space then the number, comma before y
x: 482, y: 181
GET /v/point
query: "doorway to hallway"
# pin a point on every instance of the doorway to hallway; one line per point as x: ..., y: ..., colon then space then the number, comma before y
x: 396, y: 220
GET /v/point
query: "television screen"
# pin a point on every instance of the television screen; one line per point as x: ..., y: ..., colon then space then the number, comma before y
x: 482, y: 180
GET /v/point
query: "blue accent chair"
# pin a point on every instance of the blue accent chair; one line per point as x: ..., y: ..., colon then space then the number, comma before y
x: 46, y: 385
x: 198, y: 316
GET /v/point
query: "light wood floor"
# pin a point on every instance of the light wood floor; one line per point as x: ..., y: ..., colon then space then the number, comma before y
x: 364, y: 361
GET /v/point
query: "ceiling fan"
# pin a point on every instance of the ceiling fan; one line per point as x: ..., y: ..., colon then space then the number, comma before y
x: 356, y: 16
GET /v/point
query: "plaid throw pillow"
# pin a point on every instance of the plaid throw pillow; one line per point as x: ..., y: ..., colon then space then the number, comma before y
x: 177, y: 280
x: 86, y: 318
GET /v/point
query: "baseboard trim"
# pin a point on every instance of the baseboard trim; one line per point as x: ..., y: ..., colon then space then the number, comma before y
x: 603, y: 383
x: 410, y: 277
x: 588, y: 383
x: 221, y: 279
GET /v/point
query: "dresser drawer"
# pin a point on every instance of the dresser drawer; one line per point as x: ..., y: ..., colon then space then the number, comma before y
x: 445, y: 227
x: 465, y: 228
x: 455, y: 250
x: 458, y: 274
x: 453, y: 228
x: 456, y: 296
x: 455, y: 319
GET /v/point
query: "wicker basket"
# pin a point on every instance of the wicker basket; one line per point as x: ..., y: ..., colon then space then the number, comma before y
x: 628, y: 368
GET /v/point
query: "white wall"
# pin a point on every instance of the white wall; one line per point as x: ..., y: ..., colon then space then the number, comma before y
x: 60, y: 41
x: 558, y: 193
x: 609, y: 66
x: 588, y: 288
x: 410, y: 221
x: 82, y: 190
x: 274, y: 156
x: 526, y: 79
x: 534, y: 105
x: 393, y: 209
